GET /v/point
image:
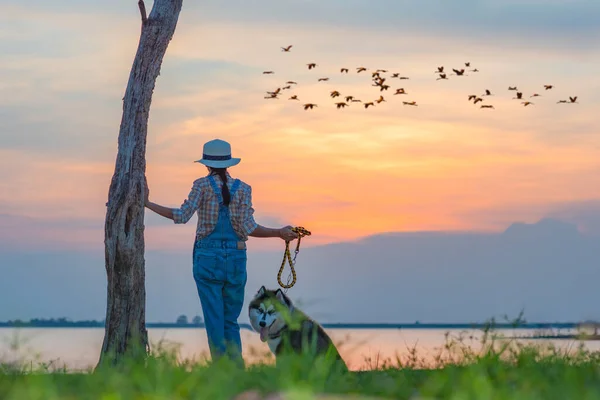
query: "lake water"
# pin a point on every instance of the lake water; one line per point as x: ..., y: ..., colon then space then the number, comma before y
x: 79, y: 348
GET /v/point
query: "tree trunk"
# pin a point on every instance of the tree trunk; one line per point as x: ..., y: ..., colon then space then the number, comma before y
x: 125, y: 329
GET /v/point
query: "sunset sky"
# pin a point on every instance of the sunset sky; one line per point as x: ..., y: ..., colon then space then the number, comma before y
x: 343, y: 174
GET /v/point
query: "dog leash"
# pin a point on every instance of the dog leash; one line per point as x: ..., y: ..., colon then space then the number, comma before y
x: 286, y: 255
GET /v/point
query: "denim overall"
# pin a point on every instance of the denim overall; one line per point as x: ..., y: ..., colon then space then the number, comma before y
x: 220, y: 275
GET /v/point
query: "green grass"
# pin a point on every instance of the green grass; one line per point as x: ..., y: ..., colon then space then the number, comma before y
x: 496, y: 369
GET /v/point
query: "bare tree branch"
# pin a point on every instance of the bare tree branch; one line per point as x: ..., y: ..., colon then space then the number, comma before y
x: 142, y: 7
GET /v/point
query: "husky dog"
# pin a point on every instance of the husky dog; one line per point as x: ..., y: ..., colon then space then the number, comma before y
x: 287, y: 329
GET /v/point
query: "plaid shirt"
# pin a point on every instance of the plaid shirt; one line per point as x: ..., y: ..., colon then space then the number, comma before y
x: 202, y: 199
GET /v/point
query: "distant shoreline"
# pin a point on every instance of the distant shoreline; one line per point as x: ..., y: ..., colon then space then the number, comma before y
x: 558, y: 337
x: 174, y: 325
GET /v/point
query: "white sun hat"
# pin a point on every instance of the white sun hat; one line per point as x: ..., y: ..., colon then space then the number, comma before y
x: 217, y: 154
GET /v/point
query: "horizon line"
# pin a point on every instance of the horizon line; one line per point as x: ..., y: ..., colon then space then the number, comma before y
x: 67, y: 322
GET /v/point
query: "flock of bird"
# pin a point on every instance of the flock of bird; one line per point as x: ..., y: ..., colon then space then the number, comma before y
x: 381, y: 82
x: 519, y: 96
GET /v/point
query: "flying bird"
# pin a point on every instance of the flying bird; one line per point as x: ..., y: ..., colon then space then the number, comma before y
x: 344, y: 70
x: 487, y: 93
x: 439, y: 69
x: 442, y: 76
x: 404, y: 77
x: 360, y: 69
x: 409, y: 103
x: 519, y: 96
x: 273, y: 95
x: 486, y: 106
x: 477, y: 100
x: 534, y: 95
x: 349, y: 98
x: 294, y: 97
x: 369, y: 104
x: 291, y: 83
x: 323, y: 79
x: 384, y: 87
x: 467, y: 64
x: 571, y: 100
x: 474, y: 70
x: 512, y: 88
x: 286, y: 49
x: 268, y: 72
x: 309, y: 105
x: 400, y: 91
x: 548, y: 87
x: 341, y: 105
x: 381, y: 70
x: 311, y: 65
x: 526, y: 103
x: 395, y: 75
x: 380, y: 99
x: 459, y: 72
x: 334, y: 93
x: 472, y: 97
x: 287, y: 87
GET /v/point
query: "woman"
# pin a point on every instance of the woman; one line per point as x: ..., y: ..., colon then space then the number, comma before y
x: 225, y: 220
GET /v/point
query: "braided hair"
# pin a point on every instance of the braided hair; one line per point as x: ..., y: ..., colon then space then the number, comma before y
x: 222, y: 173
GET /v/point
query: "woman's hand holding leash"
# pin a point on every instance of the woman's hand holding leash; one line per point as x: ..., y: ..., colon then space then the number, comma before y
x: 287, y: 234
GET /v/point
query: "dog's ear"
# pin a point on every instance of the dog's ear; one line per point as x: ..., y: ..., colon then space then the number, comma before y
x: 282, y: 297
x: 261, y: 291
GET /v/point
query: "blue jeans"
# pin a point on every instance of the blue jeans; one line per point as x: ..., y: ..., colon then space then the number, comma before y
x: 221, y: 276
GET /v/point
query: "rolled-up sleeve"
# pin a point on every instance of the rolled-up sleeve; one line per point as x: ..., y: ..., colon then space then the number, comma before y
x: 183, y: 214
x: 247, y: 212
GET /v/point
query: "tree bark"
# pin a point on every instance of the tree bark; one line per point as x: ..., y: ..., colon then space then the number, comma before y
x: 125, y: 329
